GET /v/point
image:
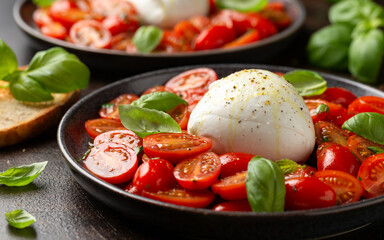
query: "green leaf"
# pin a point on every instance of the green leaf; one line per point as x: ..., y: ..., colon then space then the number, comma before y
x: 145, y: 122
x: 375, y: 149
x: 8, y: 61
x: 307, y: 83
x: 43, y: 3
x: 365, y: 55
x: 322, y: 108
x: 19, y: 218
x: 242, y: 5
x: 22, y: 175
x: 147, y: 38
x: 369, y: 125
x: 265, y: 185
x: 162, y: 101
x: 287, y: 166
x: 329, y: 46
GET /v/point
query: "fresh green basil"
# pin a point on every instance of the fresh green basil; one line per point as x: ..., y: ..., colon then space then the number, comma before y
x: 265, y: 185
x: 146, y: 38
x: 287, y: 166
x: 322, y: 108
x: 43, y: 3
x: 242, y: 5
x: 375, y: 149
x: 8, y: 61
x: 145, y: 121
x: 329, y: 46
x: 307, y: 83
x: 365, y: 26
x: 162, y: 101
x: 365, y: 55
x: 369, y: 125
x: 22, y: 175
x: 19, y: 218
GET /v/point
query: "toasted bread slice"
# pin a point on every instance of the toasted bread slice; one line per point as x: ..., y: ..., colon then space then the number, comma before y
x: 20, y: 121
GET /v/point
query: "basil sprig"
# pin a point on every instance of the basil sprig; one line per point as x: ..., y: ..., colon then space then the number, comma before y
x: 19, y: 218
x: 322, y: 108
x: 43, y: 3
x: 375, y: 149
x: 307, y: 83
x: 8, y: 61
x: 162, y: 101
x: 146, y: 38
x: 265, y: 185
x: 242, y: 5
x: 22, y: 175
x: 287, y: 166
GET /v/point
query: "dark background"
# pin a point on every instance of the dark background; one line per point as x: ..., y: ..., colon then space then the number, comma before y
x: 62, y: 208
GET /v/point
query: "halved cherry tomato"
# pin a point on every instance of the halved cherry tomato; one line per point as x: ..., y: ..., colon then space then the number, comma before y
x: 336, y: 114
x: 41, y: 17
x: 371, y: 175
x: 198, y: 172
x: 232, y: 163
x: 104, y: 8
x: 308, y: 193
x: 90, y: 33
x: 348, y: 189
x: 213, y: 37
x: 121, y: 41
x: 312, y: 106
x: 248, y: 37
x: 302, y: 171
x: 183, y: 197
x: 233, y: 206
x: 329, y: 132
x: 175, y: 147
x: 333, y: 156
x: 200, y: 22
x: 358, y: 146
x: 181, y: 115
x: 186, y: 30
x: 367, y: 104
x: 120, y: 23
x: 158, y: 89
x: 54, y: 30
x: 338, y: 95
x: 95, y: 127
x: 113, y: 162
x: 132, y: 189
x: 66, y: 12
x: 232, y: 187
x: 172, y: 42
x: 276, y: 14
x: 110, y: 110
x: 154, y: 175
x: 125, y: 137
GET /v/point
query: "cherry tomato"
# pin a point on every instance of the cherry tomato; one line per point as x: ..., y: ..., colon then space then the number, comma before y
x: 213, y: 37
x: 232, y: 163
x: 232, y: 187
x: 348, y: 189
x: 336, y: 114
x: 181, y: 115
x: 338, y: 95
x: 132, y: 189
x: 112, y: 162
x: 308, y: 193
x: 172, y: 42
x: 121, y: 41
x: 154, y: 175
x: 371, y: 175
x: 333, y: 156
x: 302, y: 171
x: 183, y: 197
x: 175, y: 147
x: 54, y: 30
x: 125, y: 137
x: 104, y: 8
x: 186, y: 30
x: 276, y: 14
x: 158, y: 89
x: 235, y: 205
x: 97, y: 126
x: 198, y: 172
x: 358, y: 146
x: 41, y: 17
x: 312, y: 106
x: 120, y: 23
x: 90, y: 33
x: 329, y: 132
x: 248, y: 37
x: 367, y: 104
x: 66, y: 12
x: 111, y: 109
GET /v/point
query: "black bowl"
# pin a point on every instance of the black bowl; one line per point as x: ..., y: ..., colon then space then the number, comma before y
x: 205, y: 223
x: 128, y: 64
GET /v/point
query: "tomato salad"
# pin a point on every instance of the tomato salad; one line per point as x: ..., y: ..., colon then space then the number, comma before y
x: 115, y: 24
x: 179, y: 168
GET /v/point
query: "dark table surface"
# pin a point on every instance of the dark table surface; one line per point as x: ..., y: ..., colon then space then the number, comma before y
x: 62, y: 208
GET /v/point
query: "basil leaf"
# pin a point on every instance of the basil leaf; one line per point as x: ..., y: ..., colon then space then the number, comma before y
x: 147, y: 38
x: 19, y: 218
x: 365, y: 26
x: 265, y: 185
x: 376, y: 150
x: 145, y: 122
x: 307, y: 83
x: 328, y: 47
x: 161, y: 101
x: 22, y: 87
x: 8, y: 61
x: 369, y: 125
x: 22, y: 175
x: 365, y: 55
x: 322, y: 108
x: 43, y: 3
x: 287, y: 166
x: 242, y: 5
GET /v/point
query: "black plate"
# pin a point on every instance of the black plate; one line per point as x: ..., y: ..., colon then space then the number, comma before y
x: 122, y: 62
x: 72, y: 140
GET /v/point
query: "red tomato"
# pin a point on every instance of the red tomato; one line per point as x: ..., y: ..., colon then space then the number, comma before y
x: 232, y: 187
x: 158, y: 89
x: 329, y: 132
x: 111, y: 109
x: 175, y: 147
x: 112, y: 162
x: 54, y: 30
x: 336, y: 114
x: 132, y: 189
x: 248, y: 37
x: 276, y: 14
x: 333, y: 156
x: 97, y: 126
x: 181, y: 115
x: 367, y: 104
x: 371, y: 175
x: 302, y: 171
x: 308, y: 193
x: 312, y: 106
x: 41, y: 17
x: 172, y: 42
x: 125, y: 137
x: 121, y: 41
x: 348, y: 189
x: 358, y: 146
x: 213, y: 37
x: 104, y: 8
x: 182, y: 197
x: 232, y: 163
x: 66, y: 12
x: 90, y: 33
x: 198, y: 172
x: 120, y: 23
x: 339, y: 96
x: 154, y: 175
x: 186, y: 30
x: 235, y: 205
